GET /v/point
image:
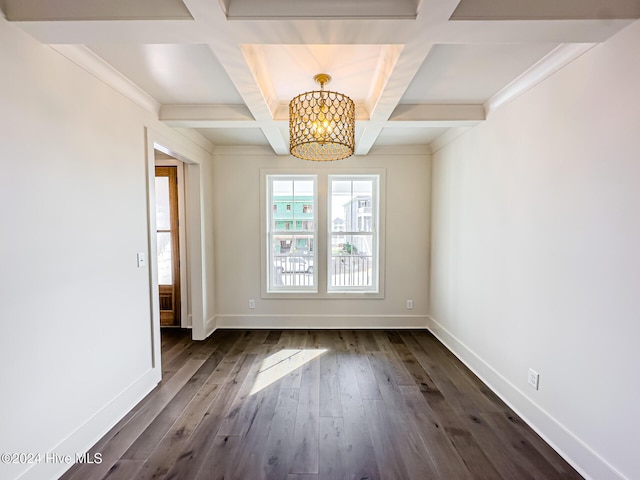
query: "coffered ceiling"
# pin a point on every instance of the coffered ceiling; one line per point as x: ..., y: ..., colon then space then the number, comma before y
x: 414, y: 68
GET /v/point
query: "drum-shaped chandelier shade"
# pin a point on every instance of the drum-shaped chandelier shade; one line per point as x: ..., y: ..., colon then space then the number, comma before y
x: 322, y: 124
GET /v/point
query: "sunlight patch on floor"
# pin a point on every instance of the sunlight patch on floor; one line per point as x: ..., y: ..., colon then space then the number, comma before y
x: 281, y: 364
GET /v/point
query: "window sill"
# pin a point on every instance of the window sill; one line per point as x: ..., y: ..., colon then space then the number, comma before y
x: 322, y: 296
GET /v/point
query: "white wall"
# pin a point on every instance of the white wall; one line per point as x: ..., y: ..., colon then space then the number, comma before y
x: 536, y: 255
x: 76, y: 341
x: 238, y: 243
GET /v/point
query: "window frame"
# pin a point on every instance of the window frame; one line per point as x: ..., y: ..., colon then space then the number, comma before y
x: 269, y: 286
x: 322, y: 230
x: 373, y: 233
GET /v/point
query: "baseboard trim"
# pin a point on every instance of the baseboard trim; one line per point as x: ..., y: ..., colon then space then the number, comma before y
x: 322, y: 321
x: 578, y: 454
x: 87, y: 434
x: 210, y: 326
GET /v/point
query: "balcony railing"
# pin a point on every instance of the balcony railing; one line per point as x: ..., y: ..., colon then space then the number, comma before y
x: 344, y: 270
x: 351, y: 270
x: 293, y: 270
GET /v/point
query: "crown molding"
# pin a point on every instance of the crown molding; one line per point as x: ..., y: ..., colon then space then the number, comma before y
x: 243, y: 150
x: 96, y: 66
x: 560, y: 56
x: 397, y: 150
x: 447, y: 137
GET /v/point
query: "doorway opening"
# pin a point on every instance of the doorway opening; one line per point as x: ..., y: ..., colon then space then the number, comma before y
x: 171, y: 245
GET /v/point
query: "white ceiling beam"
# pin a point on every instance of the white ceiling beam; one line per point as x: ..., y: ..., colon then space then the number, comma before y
x: 239, y: 116
x: 442, y: 31
x: 229, y: 51
x: 400, y: 76
x: 367, y: 139
x: 274, y: 137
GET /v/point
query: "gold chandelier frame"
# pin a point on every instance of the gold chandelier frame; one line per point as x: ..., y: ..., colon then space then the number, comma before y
x: 322, y: 124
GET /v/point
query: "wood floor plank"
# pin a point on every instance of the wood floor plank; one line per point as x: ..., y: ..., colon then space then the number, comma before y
x: 446, y: 457
x: 299, y: 339
x: 367, y: 382
x: 251, y: 459
x: 310, y: 404
x: 124, y: 469
x: 218, y: 462
x: 402, y: 376
x: 360, y: 457
x: 182, y: 342
x: 409, y: 443
x: 330, y: 405
x: 560, y: 464
x: 278, y: 451
x: 366, y: 339
x: 176, y: 440
x: 306, y: 427
x: 273, y: 337
x: 391, y: 463
x: 113, y: 450
x: 153, y: 434
x: 528, y: 454
x: 470, y: 406
x: 192, y: 456
x: 241, y: 413
x: 332, y: 448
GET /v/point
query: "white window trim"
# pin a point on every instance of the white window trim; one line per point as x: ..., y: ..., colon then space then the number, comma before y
x: 270, y: 288
x: 321, y: 250
x: 350, y: 177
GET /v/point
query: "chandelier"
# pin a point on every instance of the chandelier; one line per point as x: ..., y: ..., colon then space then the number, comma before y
x: 322, y: 124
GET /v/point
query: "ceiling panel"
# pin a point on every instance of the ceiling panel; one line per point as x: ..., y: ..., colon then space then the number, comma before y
x: 409, y: 136
x: 94, y: 10
x: 325, y: 9
x: 471, y: 74
x: 172, y: 74
x: 234, y: 136
x: 548, y: 9
x: 353, y: 68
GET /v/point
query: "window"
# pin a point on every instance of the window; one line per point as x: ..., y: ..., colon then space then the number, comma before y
x: 291, y: 233
x: 352, y: 263
x: 325, y: 236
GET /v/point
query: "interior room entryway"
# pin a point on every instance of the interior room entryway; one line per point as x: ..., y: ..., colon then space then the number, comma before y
x: 175, y: 242
x: 168, y: 245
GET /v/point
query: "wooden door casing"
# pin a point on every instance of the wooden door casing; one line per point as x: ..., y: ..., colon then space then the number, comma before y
x: 170, y: 294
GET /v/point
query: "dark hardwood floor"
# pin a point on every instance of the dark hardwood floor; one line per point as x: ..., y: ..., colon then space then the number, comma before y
x: 319, y: 404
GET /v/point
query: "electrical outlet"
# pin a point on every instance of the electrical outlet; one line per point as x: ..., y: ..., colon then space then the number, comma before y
x: 533, y: 378
x: 252, y: 303
x: 409, y: 304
